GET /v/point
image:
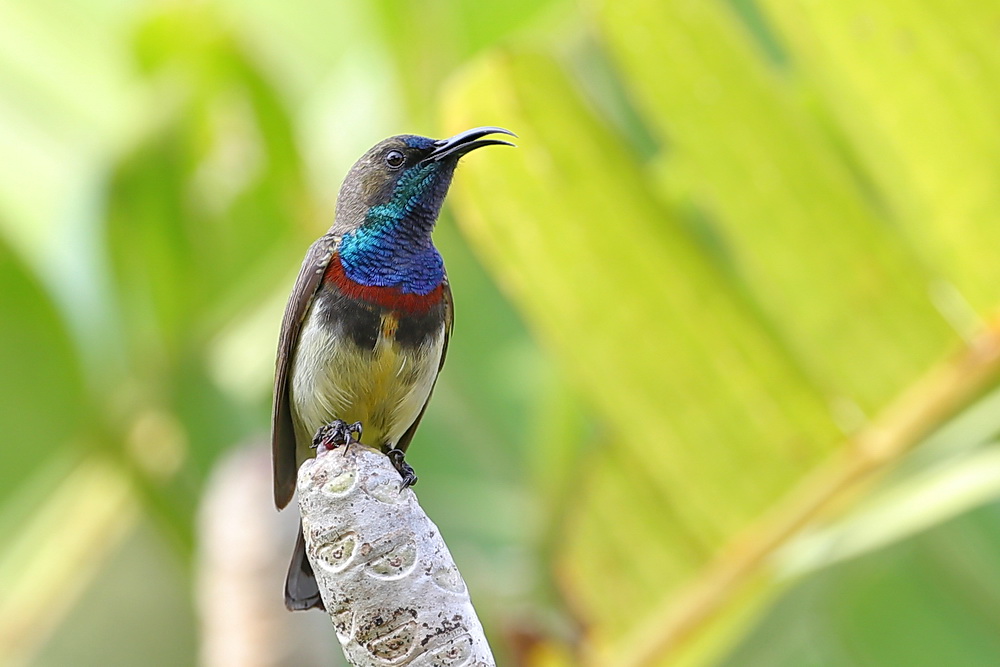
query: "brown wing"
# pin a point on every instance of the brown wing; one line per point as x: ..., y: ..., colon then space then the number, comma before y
x: 449, y: 323
x: 283, y: 457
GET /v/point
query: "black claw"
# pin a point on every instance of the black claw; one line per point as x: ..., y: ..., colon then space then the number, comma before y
x: 353, y: 428
x: 335, y: 434
x: 404, y: 469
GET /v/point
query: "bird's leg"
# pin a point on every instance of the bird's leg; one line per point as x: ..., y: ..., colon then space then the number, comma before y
x: 335, y: 434
x: 353, y: 428
x: 405, y: 469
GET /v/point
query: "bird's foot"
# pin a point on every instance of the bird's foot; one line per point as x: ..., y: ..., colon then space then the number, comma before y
x: 405, y: 469
x: 335, y: 434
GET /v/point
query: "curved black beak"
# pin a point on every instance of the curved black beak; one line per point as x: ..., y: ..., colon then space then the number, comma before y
x: 463, y: 142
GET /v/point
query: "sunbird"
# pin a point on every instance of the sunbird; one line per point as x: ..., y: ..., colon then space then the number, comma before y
x: 366, y: 328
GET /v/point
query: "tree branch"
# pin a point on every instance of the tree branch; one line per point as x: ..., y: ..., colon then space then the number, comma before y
x: 385, y: 574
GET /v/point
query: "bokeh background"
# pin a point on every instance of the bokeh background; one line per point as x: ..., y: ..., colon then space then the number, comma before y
x: 722, y: 384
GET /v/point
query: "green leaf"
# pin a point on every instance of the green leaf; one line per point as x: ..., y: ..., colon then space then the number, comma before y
x: 953, y: 471
x: 41, y: 388
x: 710, y: 420
x: 837, y: 282
x: 724, y: 307
x: 930, y: 600
x: 204, y: 207
x: 446, y: 34
x: 915, y: 88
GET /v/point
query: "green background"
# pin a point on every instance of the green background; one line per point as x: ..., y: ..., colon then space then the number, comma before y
x: 721, y: 388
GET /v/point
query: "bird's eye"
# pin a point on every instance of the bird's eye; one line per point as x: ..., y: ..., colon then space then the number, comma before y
x: 394, y: 159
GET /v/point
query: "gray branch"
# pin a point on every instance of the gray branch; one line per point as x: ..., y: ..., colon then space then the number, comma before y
x: 386, y: 576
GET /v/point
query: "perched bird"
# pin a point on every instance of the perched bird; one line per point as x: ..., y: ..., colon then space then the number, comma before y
x: 366, y: 328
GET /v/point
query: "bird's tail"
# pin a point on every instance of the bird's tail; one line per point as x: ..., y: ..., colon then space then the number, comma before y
x: 301, y: 591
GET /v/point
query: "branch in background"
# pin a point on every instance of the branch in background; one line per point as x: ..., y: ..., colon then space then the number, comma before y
x: 925, y: 406
x: 385, y: 574
x: 242, y: 557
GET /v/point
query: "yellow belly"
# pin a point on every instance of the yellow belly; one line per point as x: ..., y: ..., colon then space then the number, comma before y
x: 384, y: 388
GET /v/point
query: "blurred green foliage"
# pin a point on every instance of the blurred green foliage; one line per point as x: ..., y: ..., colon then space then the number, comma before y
x: 732, y: 235
x: 42, y: 385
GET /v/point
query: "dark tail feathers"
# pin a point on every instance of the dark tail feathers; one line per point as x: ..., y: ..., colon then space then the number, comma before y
x: 301, y: 591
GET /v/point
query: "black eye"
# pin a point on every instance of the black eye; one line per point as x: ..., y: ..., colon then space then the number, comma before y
x: 394, y: 159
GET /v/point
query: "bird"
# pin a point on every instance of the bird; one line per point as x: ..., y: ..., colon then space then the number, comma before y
x: 366, y: 328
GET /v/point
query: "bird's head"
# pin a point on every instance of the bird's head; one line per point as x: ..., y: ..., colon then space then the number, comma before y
x: 403, y: 180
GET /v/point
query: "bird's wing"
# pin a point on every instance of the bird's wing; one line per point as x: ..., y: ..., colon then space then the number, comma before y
x: 449, y: 323
x: 283, y: 448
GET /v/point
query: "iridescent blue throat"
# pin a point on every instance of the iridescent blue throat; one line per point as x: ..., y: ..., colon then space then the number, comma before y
x: 393, y: 247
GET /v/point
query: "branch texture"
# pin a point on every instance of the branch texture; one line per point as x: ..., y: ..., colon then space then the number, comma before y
x: 386, y: 576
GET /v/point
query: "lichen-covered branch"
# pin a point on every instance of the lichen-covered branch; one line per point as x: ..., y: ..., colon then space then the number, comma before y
x: 386, y: 576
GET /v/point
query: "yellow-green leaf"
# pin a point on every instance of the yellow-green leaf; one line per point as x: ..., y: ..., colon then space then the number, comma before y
x: 916, y: 88
x: 713, y: 418
x: 837, y: 281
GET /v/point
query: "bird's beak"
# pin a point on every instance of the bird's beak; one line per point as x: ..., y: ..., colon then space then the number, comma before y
x: 463, y: 142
